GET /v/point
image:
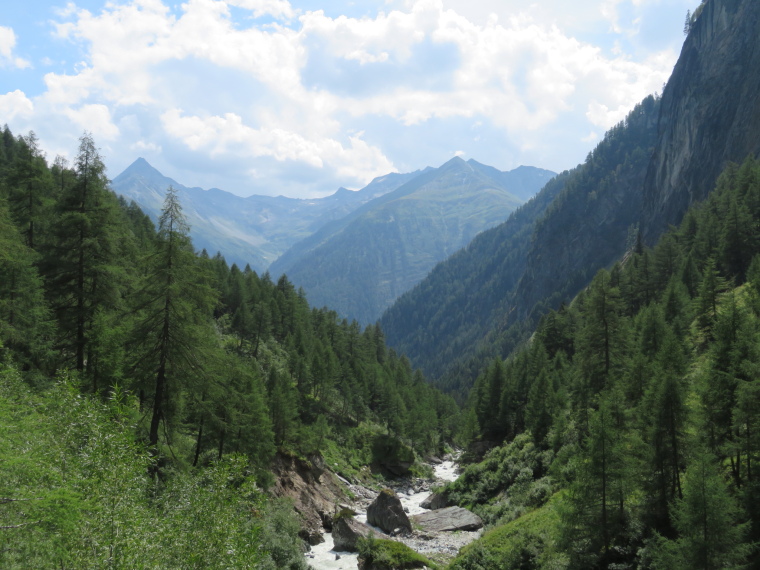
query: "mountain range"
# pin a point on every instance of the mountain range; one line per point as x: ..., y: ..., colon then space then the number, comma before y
x: 360, y: 264
x: 354, y: 251
x: 248, y: 231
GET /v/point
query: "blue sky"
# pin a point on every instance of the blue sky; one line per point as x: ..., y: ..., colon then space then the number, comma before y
x: 301, y: 97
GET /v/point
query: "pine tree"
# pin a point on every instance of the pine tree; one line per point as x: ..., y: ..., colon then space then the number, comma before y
x: 489, y: 394
x: 707, y: 301
x: 664, y: 411
x: 596, y: 515
x: 602, y: 340
x: 540, y: 408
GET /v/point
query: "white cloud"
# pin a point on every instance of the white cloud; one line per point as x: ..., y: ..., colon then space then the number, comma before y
x: 192, y: 78
x: 228, y: 135
x: 373, y: 40
x: 15, y: 104
x: 7, y: 45
x: 96, y: 119
x: 519, y: 75
x: 274, y: 8
x: 142, y: 146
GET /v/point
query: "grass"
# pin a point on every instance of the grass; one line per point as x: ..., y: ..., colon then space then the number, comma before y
x: 525, y: 542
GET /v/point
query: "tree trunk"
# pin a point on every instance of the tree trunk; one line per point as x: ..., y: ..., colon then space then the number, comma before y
x: 198, y: 443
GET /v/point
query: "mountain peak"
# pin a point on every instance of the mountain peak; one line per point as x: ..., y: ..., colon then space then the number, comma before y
x: 141, y: 167
x: 456, y: 160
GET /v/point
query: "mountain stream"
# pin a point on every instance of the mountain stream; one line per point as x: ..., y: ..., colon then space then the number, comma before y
x: 323, y: 557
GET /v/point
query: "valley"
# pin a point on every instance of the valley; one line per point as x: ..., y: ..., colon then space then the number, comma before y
x: 563, y: 368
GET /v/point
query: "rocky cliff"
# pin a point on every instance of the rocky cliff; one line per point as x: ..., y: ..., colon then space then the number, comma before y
x: 709, y: 113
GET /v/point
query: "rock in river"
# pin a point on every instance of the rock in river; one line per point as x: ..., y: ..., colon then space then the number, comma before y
x: 347, y: 531
x: 387, y: 512
x: 435, y: 501
x: 451, y: 518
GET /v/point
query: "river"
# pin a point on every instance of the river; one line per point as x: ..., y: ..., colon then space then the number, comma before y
x: 323, y: 557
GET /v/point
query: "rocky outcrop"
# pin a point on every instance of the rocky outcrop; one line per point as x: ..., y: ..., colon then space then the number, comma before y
x: 314, y: 491
x: 387, y: 513
x: 347, y: 531
x: 448, y: 519
x: 709, y: 113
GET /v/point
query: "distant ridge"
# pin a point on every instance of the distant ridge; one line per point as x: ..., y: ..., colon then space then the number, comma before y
x: 255, y: 230
x: 359, y: 264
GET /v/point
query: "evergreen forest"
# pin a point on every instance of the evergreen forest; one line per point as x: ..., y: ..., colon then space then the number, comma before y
x: 624, y: 433
x: 146, y: 389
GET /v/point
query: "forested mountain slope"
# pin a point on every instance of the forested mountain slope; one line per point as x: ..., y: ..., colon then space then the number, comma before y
x: 640, y: 175
x: 251, y: 231
x: 626, y: 429
x: 462, y: 312
x: 360, y: 264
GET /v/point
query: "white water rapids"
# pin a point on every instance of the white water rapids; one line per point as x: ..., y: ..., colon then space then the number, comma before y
x: 323, y: 557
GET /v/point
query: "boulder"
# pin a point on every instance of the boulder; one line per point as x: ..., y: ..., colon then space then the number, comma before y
x: 448, y: 519
x: 387, y: 513
x: 435, y: 501
x: 347, y: 531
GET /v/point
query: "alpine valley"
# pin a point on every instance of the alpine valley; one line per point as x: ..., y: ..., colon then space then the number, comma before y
x: 585, y: 346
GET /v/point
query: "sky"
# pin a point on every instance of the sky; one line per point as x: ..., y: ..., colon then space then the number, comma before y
x: 301, y: 97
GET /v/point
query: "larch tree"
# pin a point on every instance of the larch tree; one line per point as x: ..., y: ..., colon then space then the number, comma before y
x: 82, y: 262
x: 173, y: 328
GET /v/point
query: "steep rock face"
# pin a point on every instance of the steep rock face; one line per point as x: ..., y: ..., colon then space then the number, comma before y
x: 314, y: 490
x: 709, y: 113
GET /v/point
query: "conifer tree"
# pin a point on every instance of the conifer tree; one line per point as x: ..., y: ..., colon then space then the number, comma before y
x: 602, y: 339
x: 81, y: 264
x: 25, y: 324
x: 173, y: 329
x: 30, y: 182
x: 706, y: 519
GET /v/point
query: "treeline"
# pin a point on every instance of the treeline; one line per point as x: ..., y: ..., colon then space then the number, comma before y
x: 220, y: 361
x: 631, y: 417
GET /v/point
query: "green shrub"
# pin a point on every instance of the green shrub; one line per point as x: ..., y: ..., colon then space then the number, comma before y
x: 391, y: 554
